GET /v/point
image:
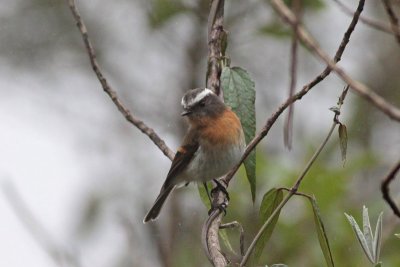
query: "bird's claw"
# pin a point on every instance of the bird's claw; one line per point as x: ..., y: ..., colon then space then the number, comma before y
x: 221, y: 207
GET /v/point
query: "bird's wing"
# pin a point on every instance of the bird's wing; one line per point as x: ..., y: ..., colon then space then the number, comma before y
x: 182, y: 158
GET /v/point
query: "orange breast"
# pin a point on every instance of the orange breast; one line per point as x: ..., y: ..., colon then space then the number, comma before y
x: 222, y: 130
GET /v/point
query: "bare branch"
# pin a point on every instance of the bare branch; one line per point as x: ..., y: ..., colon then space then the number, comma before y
x: 110, y: 91
x: 288, y: 127
x: 385, y: 188
x: 394, y: 21
x: 216, y: 39
x: 306, y: 88
x: 358, y: 87
x: 373, y: 24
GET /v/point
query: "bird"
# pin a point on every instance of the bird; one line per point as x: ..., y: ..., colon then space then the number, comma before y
x: 213, y: 144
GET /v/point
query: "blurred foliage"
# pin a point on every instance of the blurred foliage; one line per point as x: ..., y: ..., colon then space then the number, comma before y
x: 276, y: 29
x: 308, y: 4
x: 163, y: 11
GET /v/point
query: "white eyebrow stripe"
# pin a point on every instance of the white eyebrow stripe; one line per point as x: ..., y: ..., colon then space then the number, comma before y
x: 200, y: 96
x: 183, y: 102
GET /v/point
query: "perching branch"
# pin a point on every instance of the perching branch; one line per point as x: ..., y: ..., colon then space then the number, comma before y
x: 110, y: 91
x: 216, y: 39
x: 358, y: 87
x: 385, y: 188
x: 394, y: 21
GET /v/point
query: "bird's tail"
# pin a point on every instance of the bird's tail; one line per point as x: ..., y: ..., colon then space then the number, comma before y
x: 156, y: 208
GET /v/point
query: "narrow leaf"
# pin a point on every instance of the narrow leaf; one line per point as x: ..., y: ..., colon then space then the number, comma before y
x: 322, y: 237
x: 377, y: 238
x: 343, y: 141
x: 269, y: 203
x: 239, y: 94
x: 224, y: 236
x: 360, y: 237
x: 368, y: 232
x: 203, y: 194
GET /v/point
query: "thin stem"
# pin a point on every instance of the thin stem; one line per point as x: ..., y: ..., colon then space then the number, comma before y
x: 373, y: 24
x: 394, y: 21
x: 361, y: 89
x: 110, y: 91
x: 292, y: 192
x: 300, y: 178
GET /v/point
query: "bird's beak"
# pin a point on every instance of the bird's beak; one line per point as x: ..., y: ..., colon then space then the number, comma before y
x: 186, y: 112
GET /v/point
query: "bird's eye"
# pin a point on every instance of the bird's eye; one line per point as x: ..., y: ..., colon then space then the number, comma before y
x: 202, y: 103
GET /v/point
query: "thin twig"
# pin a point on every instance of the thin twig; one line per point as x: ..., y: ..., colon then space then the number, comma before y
x: 306, y: 88
x: 61, y: 255
x: 385, y: 188
x: 371, y: 23
x: 110, y: 91
x: 358, y: 87
x: 216, y: 36
x: 394, y: 21
x: 295, y: 187
x: 288, y: 126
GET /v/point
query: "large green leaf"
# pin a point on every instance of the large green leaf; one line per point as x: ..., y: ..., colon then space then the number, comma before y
x: 322, y: 237
x: 269, y: 203
x: 239, y: 94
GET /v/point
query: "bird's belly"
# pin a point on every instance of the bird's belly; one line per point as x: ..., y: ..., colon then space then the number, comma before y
x: 212, y: 164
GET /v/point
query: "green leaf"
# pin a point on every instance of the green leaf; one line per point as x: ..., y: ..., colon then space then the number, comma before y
x: 343, y: 141
x: 225, y: 239
x: 368, y: 231
x: 203, y: 194
x: 269, y: 203
x: 377, y: 238
x: 279, y: 265
x: 379, y: 264
x: 164, y: 10
x: 397, y: 235
x: 360, y: 237
x: 239, y: 94
x: 322, y: 237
